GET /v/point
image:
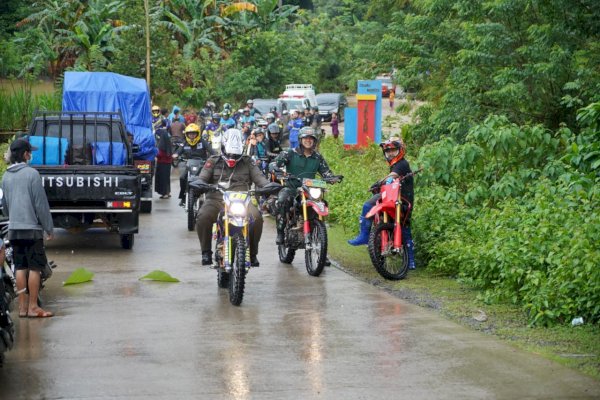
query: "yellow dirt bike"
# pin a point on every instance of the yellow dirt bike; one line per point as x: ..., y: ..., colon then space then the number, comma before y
x: 232, y: 242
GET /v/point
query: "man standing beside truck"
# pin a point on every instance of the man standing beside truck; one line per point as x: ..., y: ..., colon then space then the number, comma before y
x: 24, y: 201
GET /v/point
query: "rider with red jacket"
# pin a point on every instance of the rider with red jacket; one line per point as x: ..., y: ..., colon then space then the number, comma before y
x: 393, y: 150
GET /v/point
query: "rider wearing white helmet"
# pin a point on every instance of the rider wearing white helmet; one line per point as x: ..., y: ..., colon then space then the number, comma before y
x: 237, y: 172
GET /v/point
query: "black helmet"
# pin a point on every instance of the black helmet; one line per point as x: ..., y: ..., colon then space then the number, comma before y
x: 274, y: 129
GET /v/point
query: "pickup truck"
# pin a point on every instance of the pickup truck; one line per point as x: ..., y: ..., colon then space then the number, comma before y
x: 86, y: 163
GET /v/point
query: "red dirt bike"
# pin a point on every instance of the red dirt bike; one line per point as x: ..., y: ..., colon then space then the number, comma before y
x: 386, y: 249
x: 304, y: 225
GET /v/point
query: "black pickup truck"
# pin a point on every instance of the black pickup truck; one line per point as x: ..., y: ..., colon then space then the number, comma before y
x: 87, y: 168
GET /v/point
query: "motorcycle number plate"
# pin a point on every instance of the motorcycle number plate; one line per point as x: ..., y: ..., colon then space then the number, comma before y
x: 316, y: 183
x: 238, y: 196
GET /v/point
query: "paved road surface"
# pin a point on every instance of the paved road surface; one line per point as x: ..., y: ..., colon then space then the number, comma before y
x: 294, y: 337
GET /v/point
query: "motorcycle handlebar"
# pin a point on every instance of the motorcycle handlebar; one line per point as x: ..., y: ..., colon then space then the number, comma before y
x: 202, y: 187
x: 375, y: 187
x: 330, y: 179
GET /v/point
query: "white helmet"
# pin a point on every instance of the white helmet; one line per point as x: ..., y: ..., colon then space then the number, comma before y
x: 233, y: 146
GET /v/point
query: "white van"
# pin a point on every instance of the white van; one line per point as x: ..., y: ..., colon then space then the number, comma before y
x: 297, y: 97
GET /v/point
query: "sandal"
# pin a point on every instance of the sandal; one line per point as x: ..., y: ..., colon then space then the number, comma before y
x: 40, y: 314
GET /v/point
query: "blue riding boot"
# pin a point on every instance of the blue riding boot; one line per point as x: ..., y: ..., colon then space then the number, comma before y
x: 410, y: 246
x: 365, y: 227
x: 363, y: 234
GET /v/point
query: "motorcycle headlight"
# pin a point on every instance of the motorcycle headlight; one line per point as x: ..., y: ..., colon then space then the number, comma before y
x: 194, y: 169
x: 237, y: 209
x: 315, y: 193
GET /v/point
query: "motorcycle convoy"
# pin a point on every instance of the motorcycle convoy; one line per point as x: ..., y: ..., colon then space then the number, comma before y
x: 304, y: 226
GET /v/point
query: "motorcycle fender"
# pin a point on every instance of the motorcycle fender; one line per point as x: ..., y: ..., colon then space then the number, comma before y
x: 318, y: 207
x: 374, y: 211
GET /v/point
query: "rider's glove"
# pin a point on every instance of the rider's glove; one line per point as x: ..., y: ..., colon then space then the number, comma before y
x: 389, y: 180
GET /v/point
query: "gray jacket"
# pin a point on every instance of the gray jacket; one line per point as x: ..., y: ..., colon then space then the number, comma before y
x: 24, y: 200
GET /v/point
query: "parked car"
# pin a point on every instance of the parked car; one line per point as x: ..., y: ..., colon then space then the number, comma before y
x: 329, y: 103
x: 386, y: 84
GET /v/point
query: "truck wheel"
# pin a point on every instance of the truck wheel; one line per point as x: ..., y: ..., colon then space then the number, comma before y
x: 127, y: 241
x: 146, y: 207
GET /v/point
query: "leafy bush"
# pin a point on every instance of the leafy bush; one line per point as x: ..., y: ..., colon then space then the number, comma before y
x: 360, y: 168
x: 505, y: 212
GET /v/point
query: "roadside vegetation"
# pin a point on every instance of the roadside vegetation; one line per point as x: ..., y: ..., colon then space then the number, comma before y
x: 507, y: 214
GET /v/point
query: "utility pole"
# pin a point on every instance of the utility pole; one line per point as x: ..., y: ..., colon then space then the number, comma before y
x: 147, y: 11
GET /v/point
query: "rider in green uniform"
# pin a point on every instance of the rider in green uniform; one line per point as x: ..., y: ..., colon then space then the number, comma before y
x: 302, y: 162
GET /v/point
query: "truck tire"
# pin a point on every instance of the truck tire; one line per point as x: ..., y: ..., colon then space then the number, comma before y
x: 127, y: 241
x: 146, y: 207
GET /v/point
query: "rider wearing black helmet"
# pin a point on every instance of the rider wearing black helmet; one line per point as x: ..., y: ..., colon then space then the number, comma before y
x: 274, y: 146
x: 212, y: 126
x: 302, y: 162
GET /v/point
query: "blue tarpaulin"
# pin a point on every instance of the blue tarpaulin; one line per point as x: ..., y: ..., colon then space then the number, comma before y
x: 107, y: 91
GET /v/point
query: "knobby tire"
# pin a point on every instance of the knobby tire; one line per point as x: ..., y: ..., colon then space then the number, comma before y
x: 315, y: 257
x: 391, y: 266
x: 237, y: 277
x: 191, y: 217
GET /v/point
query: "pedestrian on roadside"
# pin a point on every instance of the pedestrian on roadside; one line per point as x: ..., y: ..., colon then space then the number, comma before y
x: 177, y: 128
x: 162, y: 181
x: 165, y: 115
x: 25, y: 204
x: 392, y: 97
x: 335, y: 130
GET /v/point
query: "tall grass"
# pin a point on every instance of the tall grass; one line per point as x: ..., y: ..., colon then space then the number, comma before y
x: 18, y: 104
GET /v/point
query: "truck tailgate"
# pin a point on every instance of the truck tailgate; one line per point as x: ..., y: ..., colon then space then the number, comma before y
x: 76, y: 187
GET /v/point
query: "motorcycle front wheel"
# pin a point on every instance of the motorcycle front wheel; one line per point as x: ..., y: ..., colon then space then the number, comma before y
x: 316, y: 251
x: 391, y: 265
x: 237, y: 277
x: 191, y: 217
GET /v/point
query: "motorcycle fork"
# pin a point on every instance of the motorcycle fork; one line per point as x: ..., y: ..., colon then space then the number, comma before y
x: 227, y: 244
x: 305, y: 215
x: 384, y: 235
x: 398, y: 226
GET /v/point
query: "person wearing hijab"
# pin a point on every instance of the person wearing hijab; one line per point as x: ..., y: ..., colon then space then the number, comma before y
x: 162, y: 181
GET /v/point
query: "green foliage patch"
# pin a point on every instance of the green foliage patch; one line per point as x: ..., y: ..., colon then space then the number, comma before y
x: 513, y: 211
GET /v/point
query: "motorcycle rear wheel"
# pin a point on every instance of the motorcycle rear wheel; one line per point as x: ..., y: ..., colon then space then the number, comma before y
x: 286, y: 254
x: 237, y: 277
x: 317, y: 254
x: 392, y: 266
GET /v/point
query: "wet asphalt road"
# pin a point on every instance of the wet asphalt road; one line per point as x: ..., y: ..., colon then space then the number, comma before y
x: 294, y: 337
